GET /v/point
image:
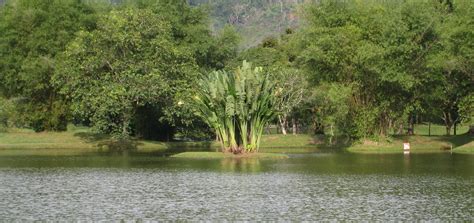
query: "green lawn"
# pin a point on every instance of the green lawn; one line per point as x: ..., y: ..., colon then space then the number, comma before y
x: 17, y: 142
x: 421, y: 141
x: 438, y: 130
x: 79, y: 140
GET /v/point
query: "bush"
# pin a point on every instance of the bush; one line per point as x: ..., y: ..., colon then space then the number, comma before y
x: 42, y: 117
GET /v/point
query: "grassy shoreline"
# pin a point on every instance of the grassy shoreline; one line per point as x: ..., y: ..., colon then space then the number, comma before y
x: 80, y: 141
x: 419, y: 144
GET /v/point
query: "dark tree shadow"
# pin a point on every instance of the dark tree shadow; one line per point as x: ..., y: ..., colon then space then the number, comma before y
x: 92, y: 137
x: 108, y: 145
x: 457, y: 140
x: 118, y: 146
x: 176, y: 147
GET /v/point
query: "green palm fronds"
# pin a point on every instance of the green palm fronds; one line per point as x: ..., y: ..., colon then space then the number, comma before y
x: 237, y: 106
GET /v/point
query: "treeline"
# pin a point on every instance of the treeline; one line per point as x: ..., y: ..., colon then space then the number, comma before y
x: 128, y: 68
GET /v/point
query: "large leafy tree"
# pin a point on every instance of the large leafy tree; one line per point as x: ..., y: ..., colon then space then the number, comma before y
x: 378, y: 50
x: 291, y: 85
x: 129, y: 62
x: 33, y: 33
x: 190, y: 29
x: 452, y: 63
x: 190, y: 26
x: 330, y: 102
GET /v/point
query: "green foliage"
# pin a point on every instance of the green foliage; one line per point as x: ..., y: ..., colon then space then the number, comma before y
x: 190, y: 27
x: 380, y: 50
x: 131, y: 60
x: 237, y: 106
x: 452, y: 62
x: 291, y: 88
x: 33, y: 46
x: 223, y: 49
x: 34, y: 32
x: 276, y: 54
x: 466, y: 108
x: 331, y: 102
x: 6, y: 110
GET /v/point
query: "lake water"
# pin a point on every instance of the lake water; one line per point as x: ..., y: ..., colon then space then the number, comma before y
x: 322, y: 186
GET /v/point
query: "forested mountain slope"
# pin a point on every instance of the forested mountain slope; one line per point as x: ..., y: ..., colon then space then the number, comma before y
x: 254, y: 19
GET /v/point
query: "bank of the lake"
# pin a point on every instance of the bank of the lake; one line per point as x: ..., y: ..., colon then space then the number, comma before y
x: 78, y: 141
x: 418, y: 144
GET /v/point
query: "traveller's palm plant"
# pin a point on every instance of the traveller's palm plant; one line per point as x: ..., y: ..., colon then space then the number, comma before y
x: 237, y: 106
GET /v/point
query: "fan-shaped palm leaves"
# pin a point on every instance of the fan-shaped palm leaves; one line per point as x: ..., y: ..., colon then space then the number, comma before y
x: 237, y: 106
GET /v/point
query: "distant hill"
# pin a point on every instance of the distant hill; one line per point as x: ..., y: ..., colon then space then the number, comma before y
x: 254, y: 19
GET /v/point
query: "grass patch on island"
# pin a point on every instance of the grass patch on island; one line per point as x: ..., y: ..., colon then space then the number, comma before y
x: 221, y: 155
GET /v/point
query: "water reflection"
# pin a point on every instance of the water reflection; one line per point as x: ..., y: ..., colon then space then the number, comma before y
x: 246, y: 165
x: 331, y: 163
x: 406, y: 161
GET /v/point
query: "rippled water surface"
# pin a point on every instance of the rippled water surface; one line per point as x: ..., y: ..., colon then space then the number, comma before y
x: 326, y: 186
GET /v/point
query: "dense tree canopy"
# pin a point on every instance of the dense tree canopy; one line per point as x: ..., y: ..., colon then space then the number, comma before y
x: 130, y: 60
x: 33, y: 34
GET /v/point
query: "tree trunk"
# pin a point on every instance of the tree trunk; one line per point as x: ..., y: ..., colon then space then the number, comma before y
x: 454, y: 128
x: 126, y: 118
x: 218, y: 140
x: 447, y: 122
x: 389, y: 125
x: 293, y: 120
x: 331, y: 134
x: 400, y: 129
x: 411, y: 130
x: 283, y: 122
x: 448, y: 130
